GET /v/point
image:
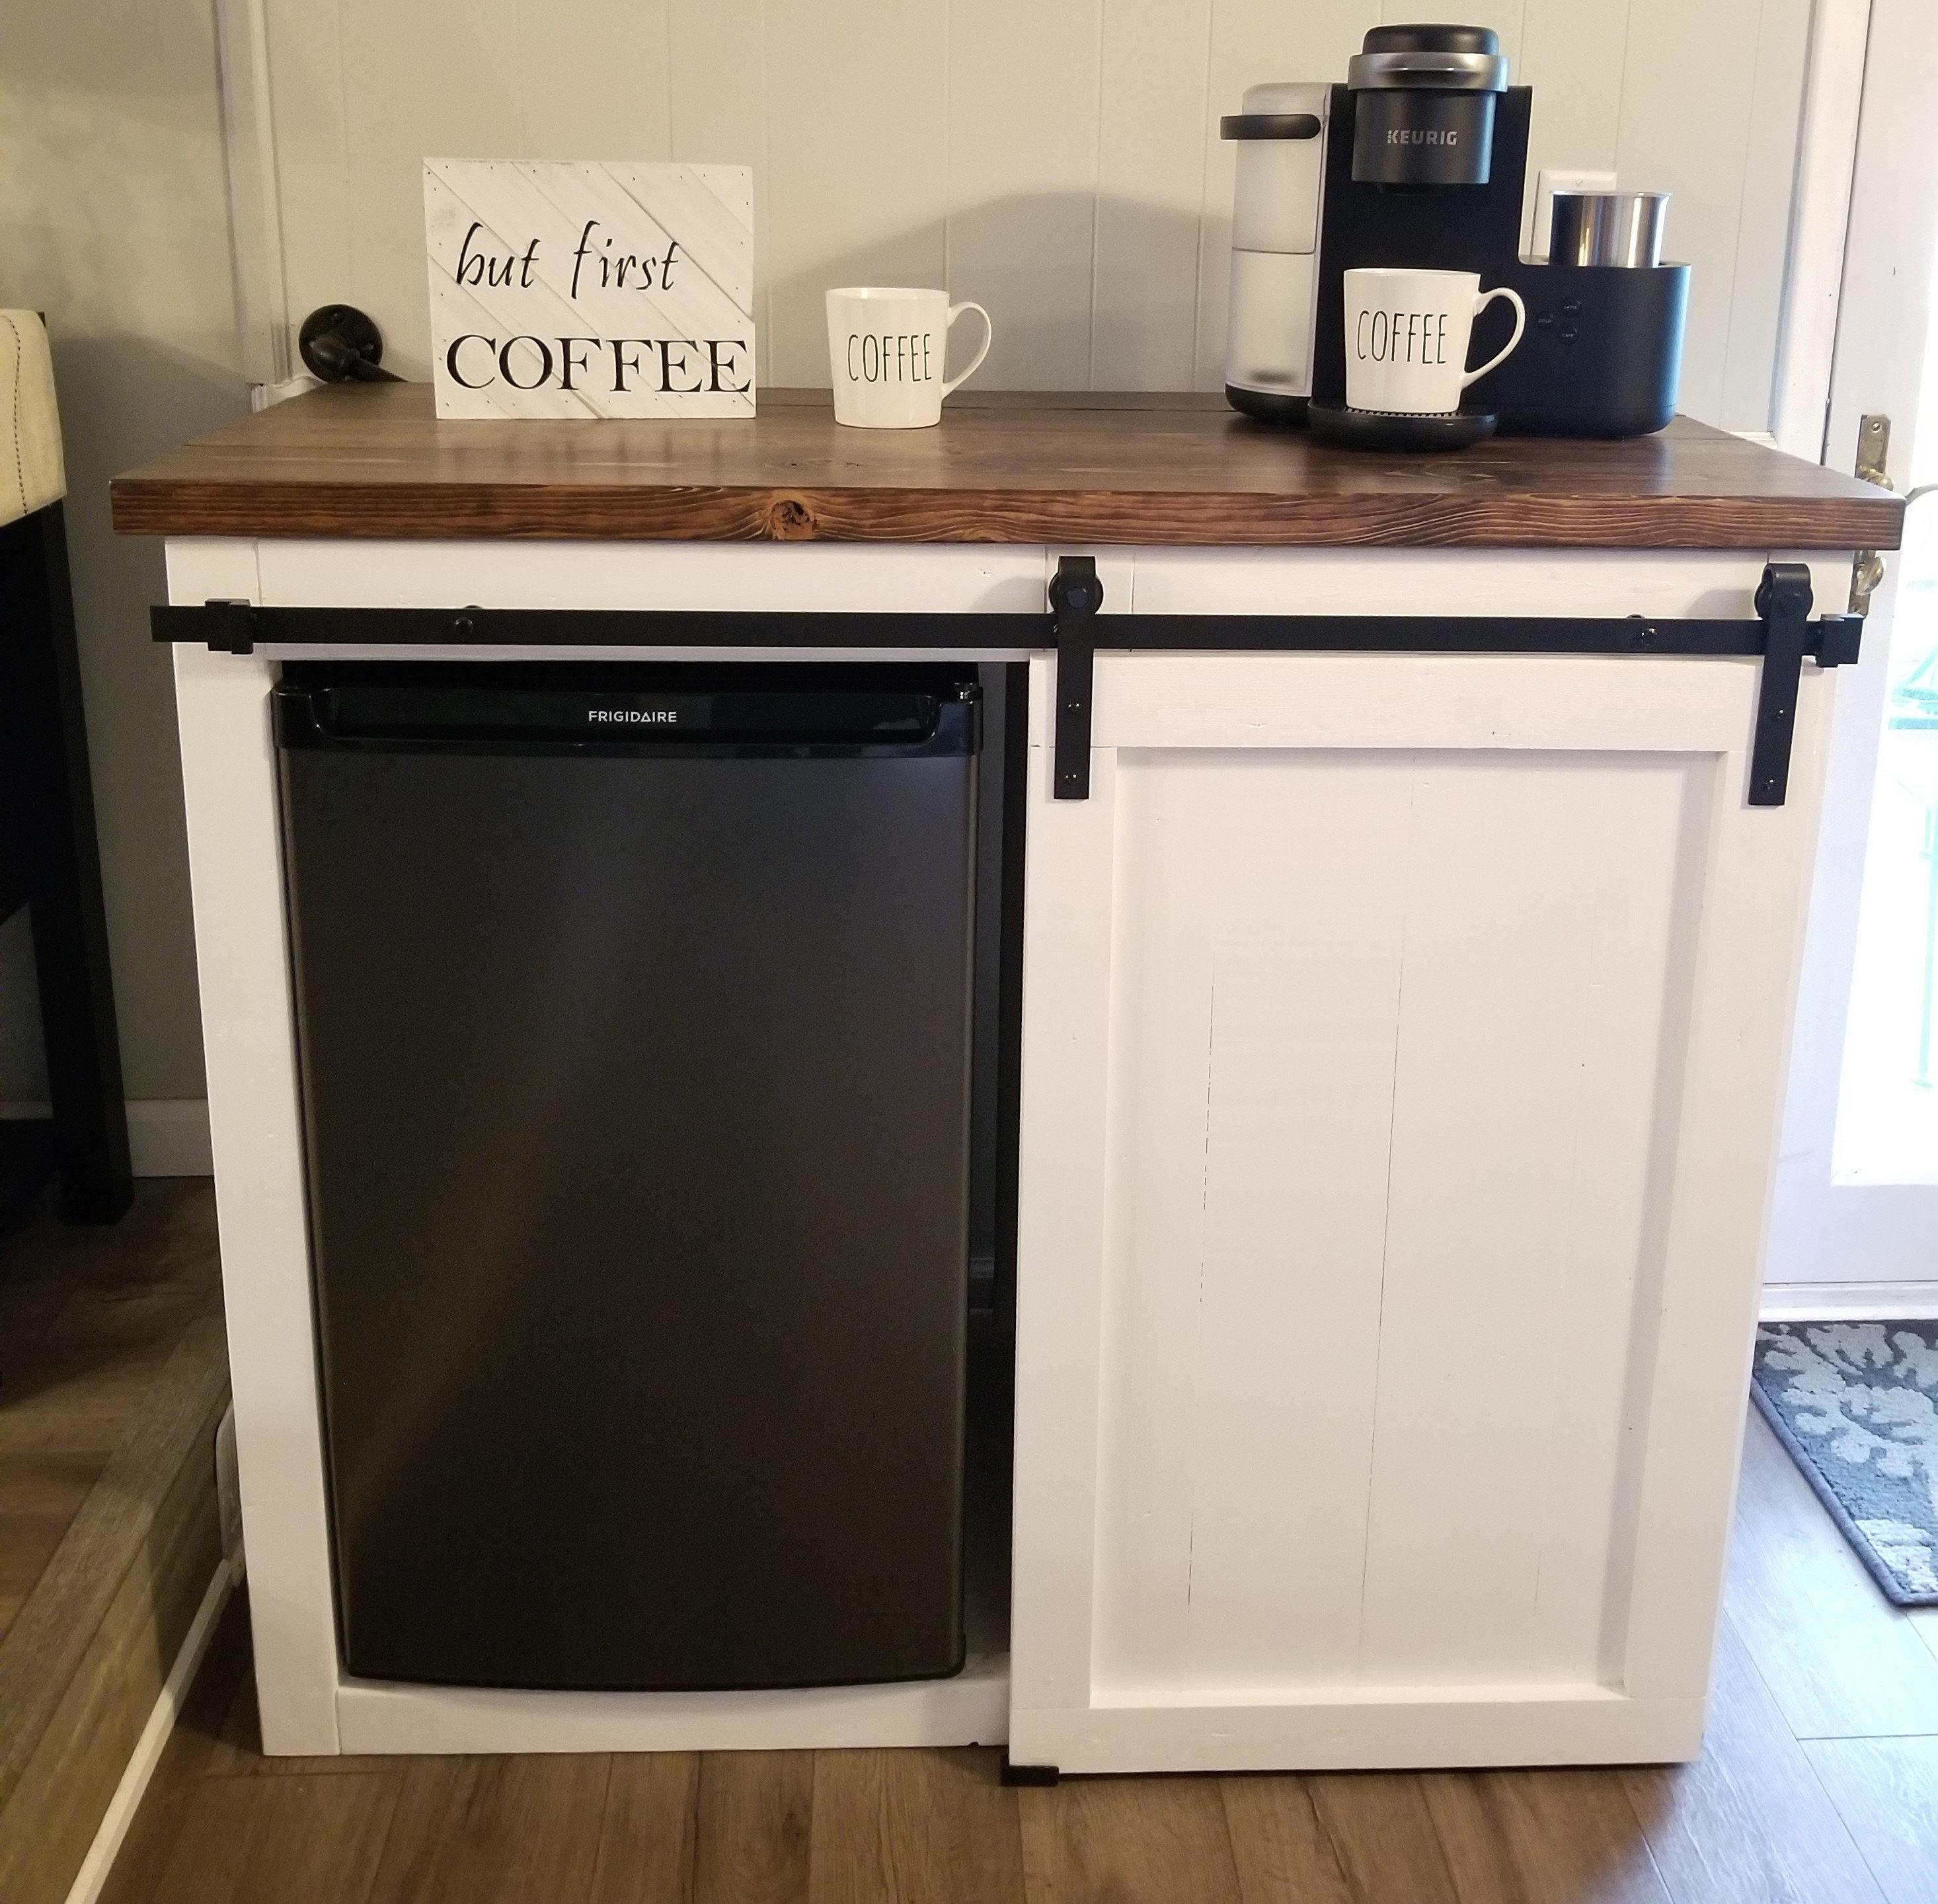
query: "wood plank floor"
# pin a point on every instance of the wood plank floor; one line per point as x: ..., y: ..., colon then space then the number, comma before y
x: 1819, y: 1786
x: 113, y: 1376
x: 88, y: 1317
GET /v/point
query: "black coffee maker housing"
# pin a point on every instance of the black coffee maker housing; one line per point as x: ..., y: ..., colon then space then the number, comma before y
x: 1425, y: 106
x: 1603, y: 351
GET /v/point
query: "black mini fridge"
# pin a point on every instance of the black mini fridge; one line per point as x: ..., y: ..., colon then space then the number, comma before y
x: 633, y: 1021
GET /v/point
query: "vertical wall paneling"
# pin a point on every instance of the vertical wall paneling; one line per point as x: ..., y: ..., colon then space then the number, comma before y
x: 255, y: 205
x: 597, y: 66
x: 1024, y: 77
x: 1152, y: 110
x: 1826, y: 147
x: 1769, y: 168
x: 1574, y: 54
x: 1057, y: 160
x: 717, y: 55
x: 858, y: 183
x: 431, y: 91
x: 320, y: 217
x: 1685, y: 128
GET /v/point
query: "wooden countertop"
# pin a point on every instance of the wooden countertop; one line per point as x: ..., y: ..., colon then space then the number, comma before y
x: 371, y: 460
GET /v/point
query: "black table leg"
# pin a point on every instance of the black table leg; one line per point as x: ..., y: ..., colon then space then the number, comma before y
x: 44, y: 745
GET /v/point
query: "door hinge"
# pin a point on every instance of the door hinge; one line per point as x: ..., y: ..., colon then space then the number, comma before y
x: 1873, y: 449
x: 1075, y: 595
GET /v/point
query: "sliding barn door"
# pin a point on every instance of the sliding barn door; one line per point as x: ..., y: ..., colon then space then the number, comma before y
x: 1403, y: 1039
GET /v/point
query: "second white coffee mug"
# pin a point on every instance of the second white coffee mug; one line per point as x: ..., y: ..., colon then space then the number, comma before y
x: 1407, y: 334
x: 885, y: 349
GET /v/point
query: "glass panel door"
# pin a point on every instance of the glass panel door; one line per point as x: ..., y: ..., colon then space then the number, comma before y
x: 1886, y: 1122
x: 1855, y: 1226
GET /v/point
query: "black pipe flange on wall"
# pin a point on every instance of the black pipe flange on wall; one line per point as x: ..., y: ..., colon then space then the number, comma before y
x: 339, y: 344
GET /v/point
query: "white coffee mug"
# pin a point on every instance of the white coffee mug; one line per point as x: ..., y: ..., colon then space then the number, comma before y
x: 1407, y: 334
x: 885, y: 347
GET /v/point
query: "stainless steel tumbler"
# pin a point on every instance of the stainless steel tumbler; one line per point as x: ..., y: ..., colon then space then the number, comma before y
x: 1622, y: 228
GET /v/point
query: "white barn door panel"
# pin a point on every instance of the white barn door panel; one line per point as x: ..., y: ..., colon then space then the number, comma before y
x: 1403, y: 1038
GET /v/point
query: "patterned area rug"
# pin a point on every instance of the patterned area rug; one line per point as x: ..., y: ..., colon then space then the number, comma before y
x: 1857, y: 1405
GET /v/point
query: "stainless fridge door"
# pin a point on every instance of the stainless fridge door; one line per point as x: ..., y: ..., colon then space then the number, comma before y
x: 636, y: 1097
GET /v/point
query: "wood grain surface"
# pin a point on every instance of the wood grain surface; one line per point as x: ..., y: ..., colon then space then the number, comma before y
x: 115, y: 1375
x: 88, y: 1318
x: 1888, y: 1790
x: 371, y: 460
x: 1861, y: 1670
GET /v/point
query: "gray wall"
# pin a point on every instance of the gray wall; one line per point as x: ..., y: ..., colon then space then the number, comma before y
x: 1057, y: 159
x: 113, y: 221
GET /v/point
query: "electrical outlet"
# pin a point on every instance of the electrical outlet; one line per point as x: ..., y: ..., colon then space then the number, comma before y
x: 1546, y: 184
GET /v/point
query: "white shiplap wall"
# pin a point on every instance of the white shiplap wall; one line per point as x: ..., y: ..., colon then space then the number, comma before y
x: 1056, y: 159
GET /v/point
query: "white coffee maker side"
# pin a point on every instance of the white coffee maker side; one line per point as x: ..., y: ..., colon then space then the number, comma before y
x: 1281, y: 136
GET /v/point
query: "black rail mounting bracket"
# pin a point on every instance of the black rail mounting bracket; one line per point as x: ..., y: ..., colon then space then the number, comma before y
x: 1076, y: 594
x: 1783, y: 604
x: 232, y: 627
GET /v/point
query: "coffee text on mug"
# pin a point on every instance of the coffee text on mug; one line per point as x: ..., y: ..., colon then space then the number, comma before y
x: 888, y: 358
x: 1401, y: 337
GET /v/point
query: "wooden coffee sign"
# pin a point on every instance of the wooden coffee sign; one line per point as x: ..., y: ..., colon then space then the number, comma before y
x: 591, y: 290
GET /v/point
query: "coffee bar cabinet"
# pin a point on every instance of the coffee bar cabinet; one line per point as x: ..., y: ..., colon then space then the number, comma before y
x: 1389, y: 883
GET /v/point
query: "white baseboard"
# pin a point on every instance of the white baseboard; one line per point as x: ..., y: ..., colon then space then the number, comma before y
x: 167, y: 1137
x: 1849, y: 1302
x: 122, y: 1807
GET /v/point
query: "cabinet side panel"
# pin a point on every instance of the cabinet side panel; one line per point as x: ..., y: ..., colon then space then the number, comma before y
x: 255, y: 1128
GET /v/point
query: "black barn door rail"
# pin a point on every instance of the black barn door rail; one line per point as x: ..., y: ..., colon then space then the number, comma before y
x: 1781, y: 633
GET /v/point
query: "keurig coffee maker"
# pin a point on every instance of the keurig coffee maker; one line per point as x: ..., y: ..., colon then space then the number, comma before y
x: 1420, y: 159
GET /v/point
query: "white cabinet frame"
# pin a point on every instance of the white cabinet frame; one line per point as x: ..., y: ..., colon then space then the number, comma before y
x: 1750, y: 910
